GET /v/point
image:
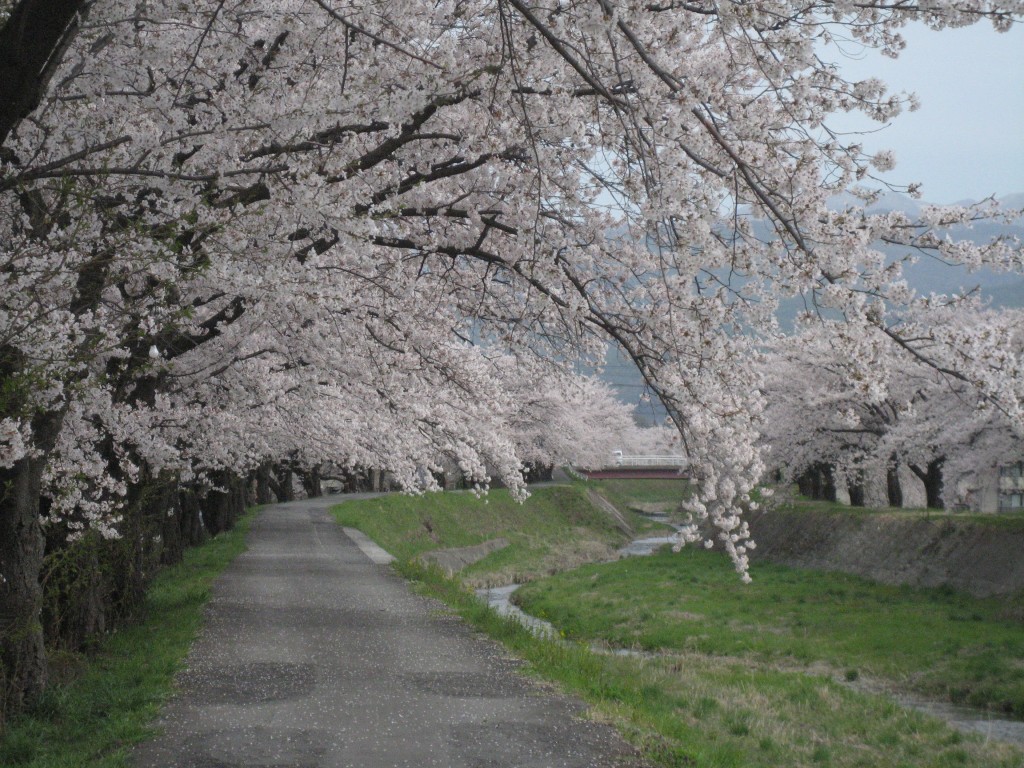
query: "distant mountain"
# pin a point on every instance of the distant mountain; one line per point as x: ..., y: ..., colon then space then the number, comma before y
x: 894, y: 201
x: 1015, y: 201
x: 927, y: 276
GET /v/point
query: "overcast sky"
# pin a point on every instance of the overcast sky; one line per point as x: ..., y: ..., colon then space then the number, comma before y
x: 967, y: 139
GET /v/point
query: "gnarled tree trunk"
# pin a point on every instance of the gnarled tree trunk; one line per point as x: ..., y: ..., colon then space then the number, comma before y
x: 22, y: 653
x: 931, y: 476
x: 281, y: 483
x: 311, y: 483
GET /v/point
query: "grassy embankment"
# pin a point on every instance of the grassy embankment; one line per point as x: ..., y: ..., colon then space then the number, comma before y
x: 108, y: 698
x: 655, y: 495
x: 787, y: 501
x: 747, y: 673
x: 556, y: 529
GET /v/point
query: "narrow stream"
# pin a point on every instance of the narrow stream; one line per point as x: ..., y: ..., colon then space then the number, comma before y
x: 500, y: 601
x: 967, y: 719
x: 964, y: 719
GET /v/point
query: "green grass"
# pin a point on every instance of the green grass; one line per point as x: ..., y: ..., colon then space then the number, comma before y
x: 790, y: 501
x: 933, y: 641
x: 555, y: 529
x: 114, y: 693
x: 708, y: 707
x: 642, y: 493
x: 702, y: 711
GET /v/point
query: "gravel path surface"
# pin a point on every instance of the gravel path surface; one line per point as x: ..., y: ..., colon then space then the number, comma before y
x: 313, y: 656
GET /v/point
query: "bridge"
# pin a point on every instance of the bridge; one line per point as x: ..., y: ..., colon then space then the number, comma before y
x: 650, y: 467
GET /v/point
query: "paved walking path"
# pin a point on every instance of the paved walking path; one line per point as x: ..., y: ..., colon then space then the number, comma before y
x: 316, y: 656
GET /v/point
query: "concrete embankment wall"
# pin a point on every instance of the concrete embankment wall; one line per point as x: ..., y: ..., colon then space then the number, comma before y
x: 982, y: 560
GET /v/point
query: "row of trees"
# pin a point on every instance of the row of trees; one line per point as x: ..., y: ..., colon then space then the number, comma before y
x: 373, y: 234
x: 826, y: 425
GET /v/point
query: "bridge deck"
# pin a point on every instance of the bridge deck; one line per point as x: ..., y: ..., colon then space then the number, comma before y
x: 639, y: 473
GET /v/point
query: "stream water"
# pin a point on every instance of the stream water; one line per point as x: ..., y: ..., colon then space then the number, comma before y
x: 968, y: 719
x: 964, y: 719
x: 500, y: 601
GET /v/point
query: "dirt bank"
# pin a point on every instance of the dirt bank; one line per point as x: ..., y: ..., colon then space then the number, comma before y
x: 982, y: 560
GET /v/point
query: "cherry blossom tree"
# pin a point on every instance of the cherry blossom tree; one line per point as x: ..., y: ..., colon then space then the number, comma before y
x: 236, y: 232
x: 569, y: 419
x: 825, y: 409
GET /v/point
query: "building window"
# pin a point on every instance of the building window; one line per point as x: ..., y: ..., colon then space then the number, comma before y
x: 1011, y: 502
x: 1012, y: 470
x: 1011, y: 487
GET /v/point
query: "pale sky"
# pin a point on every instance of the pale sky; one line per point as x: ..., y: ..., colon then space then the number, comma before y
x: 967, y: 139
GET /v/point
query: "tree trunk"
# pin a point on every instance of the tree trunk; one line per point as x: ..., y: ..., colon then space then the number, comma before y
x: 933, y: 484
x: 281, y: 483
x: 931, y: 476
x: 190, y: 518
x: 23, y: 669
x: 225, y: 505
x: 816, y: 482
x: 856, y: 491
x: 828, y: 484
x: 311, y: 483
x: 30, y: 45
x: 812, y: 482
x: 264, y: 493
x: 893, y: 488
x: 171, y: 529
x: 805, y: 483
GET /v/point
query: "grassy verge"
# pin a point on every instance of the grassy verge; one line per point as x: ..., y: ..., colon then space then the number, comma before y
x: 646, y: 495
x: 787, y: 499
x: 115, y: 692
x: 555, y: 529
x: 702, y: 711
x: 934, y: 641
x: 728, y: 707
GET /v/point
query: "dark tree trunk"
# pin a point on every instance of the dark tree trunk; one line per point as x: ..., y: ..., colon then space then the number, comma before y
x: 264, y: 494
x: 249, y: 491
x: 856, y: 491
x: 23, y: 669
x: 350, y: 478
x: 933, y: 484
x: 816, y: 482
x: 893, y: 488
x: 30, y: 45
x: 539, y: 473
x: 805, y: 483
x: 155, y: 504
x: 311, y: 483
x: 931, y: 476
x: 171, y: 526
x: 281, y: 483
x: 190, y: 518
x: 225, y: 505
x: 828, y: 485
